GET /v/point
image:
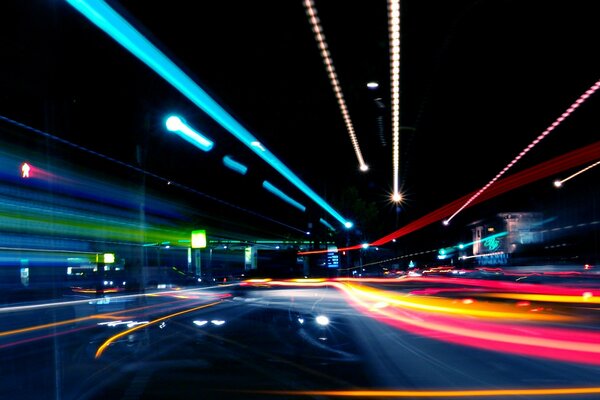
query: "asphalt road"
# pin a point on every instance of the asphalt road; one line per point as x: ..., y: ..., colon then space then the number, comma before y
x: 263, y: 342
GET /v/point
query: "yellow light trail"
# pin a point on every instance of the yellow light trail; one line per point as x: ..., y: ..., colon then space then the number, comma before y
x: 451, y: 306
x: 56, y: 324
x: 435, y: 393
x: 137, y: 327
x: 112, y: 315
x: 509, y: 338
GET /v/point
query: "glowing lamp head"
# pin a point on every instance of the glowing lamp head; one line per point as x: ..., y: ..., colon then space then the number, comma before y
x: 372, y: 85
x: 348, y: 224
x: 446, y: 222
x: 173, y: 123
x: 557, y: 184
x: 364, y: 167
x: 365, y: 245
x: 396, y: 197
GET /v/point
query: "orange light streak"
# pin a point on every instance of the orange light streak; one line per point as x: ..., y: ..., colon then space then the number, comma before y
x: 56, y: 324
x: 435, y: 393
x: 137, y: 327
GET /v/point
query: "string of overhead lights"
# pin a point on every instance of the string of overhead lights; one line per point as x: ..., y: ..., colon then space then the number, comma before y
x: 394, y: 31
x: 311, y: 12
x: 549, y: 129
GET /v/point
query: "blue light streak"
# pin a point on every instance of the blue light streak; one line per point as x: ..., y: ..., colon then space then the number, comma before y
x: 327, y: 224
x: 176, y: 125
x: 267, y: 185
x: 107, y: 19
x: 234, y: 165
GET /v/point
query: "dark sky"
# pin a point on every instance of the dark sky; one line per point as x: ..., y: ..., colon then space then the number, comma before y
x: 479, y: 81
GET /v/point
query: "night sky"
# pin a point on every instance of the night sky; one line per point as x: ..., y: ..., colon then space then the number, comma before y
x: 479, y: 81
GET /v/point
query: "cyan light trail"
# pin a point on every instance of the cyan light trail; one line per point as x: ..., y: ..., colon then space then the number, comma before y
x: 277, y: 192
x: 111, y: 22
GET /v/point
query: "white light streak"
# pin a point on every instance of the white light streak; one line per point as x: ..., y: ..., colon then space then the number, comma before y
x: 394, y: 31
x: 311, y: 12
x: 482, y: 255
x: 558, y: 121
x: 559, y: 183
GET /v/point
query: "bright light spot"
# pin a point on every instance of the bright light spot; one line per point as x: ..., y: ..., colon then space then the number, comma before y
x: 258, y: 145
x: 396, y: 197
x: 381, y: 304
x: 557, y: 184
x: 468, y: 301
x: 364, y: 167
x: 372, y: 85
x: 217, y: 322
x: 201, y: 323
x: 365, y: 245
x: 461, y: 246
x: 348, y: 224
x: 322, y: 320
x: 446, y: 222
x: 587, y: 295
x: 301, y: 320
x: 174, y: 123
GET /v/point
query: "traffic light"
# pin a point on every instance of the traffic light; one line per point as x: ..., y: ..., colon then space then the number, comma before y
x: 25, y: 170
